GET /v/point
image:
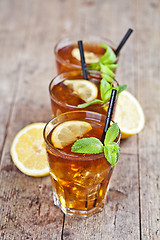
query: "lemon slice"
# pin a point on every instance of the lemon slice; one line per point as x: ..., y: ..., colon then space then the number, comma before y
x: 68, y: 132
x: 90, y: 57
x: 129, y: 115
x: 85, y: 89
x: 28, y: 151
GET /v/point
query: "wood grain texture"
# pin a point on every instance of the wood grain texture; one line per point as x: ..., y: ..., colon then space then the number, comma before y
x: 27, y: 210
x: 148, y: 65
x: 120, y: 218
x: 28, y: 33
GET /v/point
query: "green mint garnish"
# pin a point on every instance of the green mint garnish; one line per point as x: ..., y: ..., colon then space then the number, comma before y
x: 109, y: 56
x: 93, y: 145
x: 121, y: 88
x: 111, y: 134
x: 106, y: 65
x: 111, y: 153
x: 95, y: 101
x: 107, y: 77
x: 90, y: 145
x: 105, y: 90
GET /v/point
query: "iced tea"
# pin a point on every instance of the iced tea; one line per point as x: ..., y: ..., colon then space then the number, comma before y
x: 63, y: 99
x: 80, y: 181
x: 66, y: 61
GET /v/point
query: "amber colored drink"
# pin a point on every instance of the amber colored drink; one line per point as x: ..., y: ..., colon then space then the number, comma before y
x: 65, y: 61
x: 63, y: 99
x: 80, y: 181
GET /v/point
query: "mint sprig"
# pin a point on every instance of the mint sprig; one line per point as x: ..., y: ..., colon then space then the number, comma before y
x: 105, y: 90
x: 93, y: 145
x: 90, y: 145
x: 106, y: 65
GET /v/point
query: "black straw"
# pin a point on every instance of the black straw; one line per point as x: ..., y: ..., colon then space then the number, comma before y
x: 84, y: 66
x: 123, y: 41
x: 109, y: 113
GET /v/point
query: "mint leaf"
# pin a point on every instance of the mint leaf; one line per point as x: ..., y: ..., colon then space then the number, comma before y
x: 105, y: 90
x: 113, y: 66
x: 104, y: 87
x: 106, y: 63
x: 95, y: 101
x: 93, y: 145
x: 121, y: 88
x: 117, y: 149
x: 108, y: 156
x: 111, y: 134
x: 108, y: 95
x: 109, y: 56
x: 107, y: 77
x: 104, y: 58
x: 105, y: 69
x: 90, y: 145
x: 113, y: 148
x: 94, y: 66
x: 104, y: 45
x: 111, y: 153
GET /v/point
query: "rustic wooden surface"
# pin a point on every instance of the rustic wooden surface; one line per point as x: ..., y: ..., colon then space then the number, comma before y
x: 28, y: 31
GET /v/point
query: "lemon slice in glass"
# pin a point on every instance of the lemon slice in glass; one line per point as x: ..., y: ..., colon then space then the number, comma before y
x: 129, y: 115
x: 68, y: 132
x: 28, y: 151
x: 90, y: 57
x: 85, y: 89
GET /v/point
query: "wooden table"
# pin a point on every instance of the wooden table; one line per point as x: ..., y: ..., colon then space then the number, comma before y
x: 28, y: 31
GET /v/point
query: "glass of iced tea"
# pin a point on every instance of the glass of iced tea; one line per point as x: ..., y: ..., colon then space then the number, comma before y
x: 64, y: 99
x: 80, y: 181
x: 67, y: 53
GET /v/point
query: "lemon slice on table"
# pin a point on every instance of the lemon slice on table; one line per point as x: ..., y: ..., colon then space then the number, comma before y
x: 28, y: 151
x: 85, y: 89
x: 68, y: 132
x: 129, y: 115
x: 90, y: 57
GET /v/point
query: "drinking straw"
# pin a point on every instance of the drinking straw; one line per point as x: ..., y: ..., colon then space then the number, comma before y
x: 123, y: 41
x: 83, y: 63
x: 109, y: 113
x: 107, y: 122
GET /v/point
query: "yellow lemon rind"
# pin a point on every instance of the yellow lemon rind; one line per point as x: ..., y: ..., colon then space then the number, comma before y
x: 80, y: 128
x: 78, y: 86
x: 125, y: 132
x: 19, y: 165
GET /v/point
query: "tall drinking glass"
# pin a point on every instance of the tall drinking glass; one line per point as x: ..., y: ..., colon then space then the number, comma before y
x: 64, y: 99
x: 80, y: 181
x: 67, y: 53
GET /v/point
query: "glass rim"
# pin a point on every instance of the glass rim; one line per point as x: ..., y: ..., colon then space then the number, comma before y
x: 61, y: 103
x: 71, y: 37
x: 77, y: 157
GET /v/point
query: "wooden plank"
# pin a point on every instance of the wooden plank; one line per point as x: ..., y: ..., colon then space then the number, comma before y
x: 27, y: 210
x: 26, y: 203
x: 10, y: 61
x: 29, y: 30
x: 148, y: 59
